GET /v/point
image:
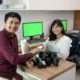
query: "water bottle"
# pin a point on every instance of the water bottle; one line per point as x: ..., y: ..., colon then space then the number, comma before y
x: 24, y: 46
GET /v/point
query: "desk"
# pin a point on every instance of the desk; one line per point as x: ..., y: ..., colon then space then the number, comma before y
x: 65, y: 71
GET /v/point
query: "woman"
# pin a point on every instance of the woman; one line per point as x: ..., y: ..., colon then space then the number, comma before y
x: 58, y: 42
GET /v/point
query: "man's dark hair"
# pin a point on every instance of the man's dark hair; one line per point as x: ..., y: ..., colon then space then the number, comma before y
x: 52, y: 36
x: 12, y: 15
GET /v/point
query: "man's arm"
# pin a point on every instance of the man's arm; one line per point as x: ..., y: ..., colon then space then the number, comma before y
x: 7, y: 51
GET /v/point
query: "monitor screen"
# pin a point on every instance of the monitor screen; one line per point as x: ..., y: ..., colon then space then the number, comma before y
x: 32, y: 29
x: 64, y: 24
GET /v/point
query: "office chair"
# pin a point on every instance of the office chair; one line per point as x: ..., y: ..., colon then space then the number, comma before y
x: 74, y: 48
x: 1, y: 2
x: 74, y: 56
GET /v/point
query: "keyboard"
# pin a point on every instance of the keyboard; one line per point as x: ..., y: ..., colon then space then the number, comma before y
x: 36, y: 41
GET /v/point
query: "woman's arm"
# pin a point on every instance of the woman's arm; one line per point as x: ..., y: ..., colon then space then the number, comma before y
x: 43, y: 45
x: 65, y: 49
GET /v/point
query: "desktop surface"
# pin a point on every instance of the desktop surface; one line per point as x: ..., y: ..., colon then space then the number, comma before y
x: 64, y: 69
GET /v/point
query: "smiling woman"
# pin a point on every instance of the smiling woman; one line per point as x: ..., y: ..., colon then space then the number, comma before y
x: 58, y: 42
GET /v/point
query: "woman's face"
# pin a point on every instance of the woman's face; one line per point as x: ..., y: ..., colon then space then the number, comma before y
x: 56, y: 29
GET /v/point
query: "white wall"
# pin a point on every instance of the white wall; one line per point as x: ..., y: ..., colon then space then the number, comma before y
x: 46, y: 16
x: 23, y: 1
x: 10, y: 1
x: 53, y: 4
x: 47, y: 4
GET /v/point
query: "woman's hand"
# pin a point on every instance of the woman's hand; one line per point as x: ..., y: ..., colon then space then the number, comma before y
x: 35, y: 51
x: 44, y: 47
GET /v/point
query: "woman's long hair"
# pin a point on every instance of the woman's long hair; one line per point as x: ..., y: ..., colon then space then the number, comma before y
x: 52, y: 36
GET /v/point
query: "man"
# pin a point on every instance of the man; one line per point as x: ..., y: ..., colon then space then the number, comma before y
x: 9, y: 57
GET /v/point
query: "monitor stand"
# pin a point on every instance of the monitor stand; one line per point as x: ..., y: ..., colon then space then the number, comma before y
x: 31, y: 38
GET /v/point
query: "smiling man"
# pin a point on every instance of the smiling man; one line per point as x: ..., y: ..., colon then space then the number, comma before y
x: 9, y: 57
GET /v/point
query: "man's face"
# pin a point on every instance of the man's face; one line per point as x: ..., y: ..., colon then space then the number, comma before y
x: 12, y: 24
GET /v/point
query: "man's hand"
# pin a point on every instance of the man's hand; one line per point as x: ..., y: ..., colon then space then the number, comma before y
x: 29, y: 64
x: 35, y: 51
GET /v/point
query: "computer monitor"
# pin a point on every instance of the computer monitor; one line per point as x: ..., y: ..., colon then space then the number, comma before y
x: 31, y: 29
x: 64, y: 24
